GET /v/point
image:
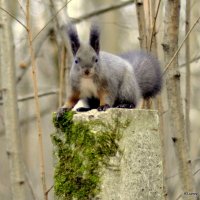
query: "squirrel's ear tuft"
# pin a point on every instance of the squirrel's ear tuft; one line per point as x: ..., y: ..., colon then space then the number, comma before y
x: 94, y: 38
x: 73, y: 37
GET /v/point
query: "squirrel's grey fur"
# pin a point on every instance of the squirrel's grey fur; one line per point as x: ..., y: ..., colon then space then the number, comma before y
x: 125, y: 78
x: 147, y: 71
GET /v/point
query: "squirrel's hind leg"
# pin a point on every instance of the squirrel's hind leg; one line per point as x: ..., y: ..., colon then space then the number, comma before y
x: 83, y: 109
x: 103, y: 107
x: 91, y: 103
x: 126, y: 105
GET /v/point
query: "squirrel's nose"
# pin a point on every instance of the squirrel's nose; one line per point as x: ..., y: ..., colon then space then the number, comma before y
x: 87, y: 72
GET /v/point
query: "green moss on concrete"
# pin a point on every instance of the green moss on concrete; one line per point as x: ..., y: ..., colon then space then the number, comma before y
x: 80, y: 154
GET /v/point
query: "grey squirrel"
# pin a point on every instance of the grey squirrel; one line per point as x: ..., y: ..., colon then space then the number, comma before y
x: 105, y: 80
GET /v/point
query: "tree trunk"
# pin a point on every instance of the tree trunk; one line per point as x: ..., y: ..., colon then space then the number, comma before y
x: 7, y: 64
x: 158, y: 103
x: 141, y: 24
x: 187, y: 81
x: 170, y: 45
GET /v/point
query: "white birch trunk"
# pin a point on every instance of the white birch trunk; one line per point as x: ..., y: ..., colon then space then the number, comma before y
x: 7, y: 65
x: 170, y: 45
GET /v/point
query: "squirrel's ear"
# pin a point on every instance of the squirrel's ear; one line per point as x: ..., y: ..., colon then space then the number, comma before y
x: 73, y: 37
x: 94, y: 38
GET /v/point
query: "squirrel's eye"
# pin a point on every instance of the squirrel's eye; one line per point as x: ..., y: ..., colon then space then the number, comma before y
x: 95, y: 59
x: 76, y: 61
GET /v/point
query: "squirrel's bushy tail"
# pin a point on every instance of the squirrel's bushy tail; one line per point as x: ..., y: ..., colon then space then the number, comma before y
x: 147, y: 71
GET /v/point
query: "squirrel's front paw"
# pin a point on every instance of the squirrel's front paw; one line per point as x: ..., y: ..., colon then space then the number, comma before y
x: 103, y: 108
x: 61, y: 111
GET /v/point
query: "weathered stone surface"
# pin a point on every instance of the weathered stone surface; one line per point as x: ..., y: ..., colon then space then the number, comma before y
x: 135, y: 173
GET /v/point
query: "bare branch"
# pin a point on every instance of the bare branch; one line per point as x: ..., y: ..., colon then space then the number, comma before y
x: 196, y: 172
x: 177, y: 51
x: 39, y: 95
x: 38, y: 45
x: 33, y: 193
x: 153, y: 31
x: 51, y: 19
x: 62, y: 76
x: 191, y: 61
x: 79, y: 19
x: 102, y: 11
x: 89, y: 15
x: 29, y: 97
x: 37, y: 105
x: 47, y: 192
x: 21, y: 7
x: 11, y: 15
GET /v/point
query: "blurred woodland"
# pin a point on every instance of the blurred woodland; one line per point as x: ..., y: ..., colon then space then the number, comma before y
x: 34, y: 65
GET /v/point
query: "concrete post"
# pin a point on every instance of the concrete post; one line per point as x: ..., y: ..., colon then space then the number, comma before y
x: 135, y: 173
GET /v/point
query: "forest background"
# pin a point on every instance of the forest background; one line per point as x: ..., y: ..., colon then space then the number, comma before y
x: 40, y: 45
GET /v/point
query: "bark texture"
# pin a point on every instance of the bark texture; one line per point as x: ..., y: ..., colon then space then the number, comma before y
x: 170, y: 45
x: 10, y: 114
x: 188, y: 74
x: 141, y: 24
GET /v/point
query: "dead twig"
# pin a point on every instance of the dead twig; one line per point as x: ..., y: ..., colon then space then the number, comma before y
x: 79, y: 19
x: 25, y: 65
x: 177, y: 51
x: 29, y: 97
x: 47, y: 192
x: 37, y: 105
x: 87, y: 16
x: 154, y: 25
x: 62, y: 75
x: 21, y: 8
x: 102, y: 11
x: 51, y: 19
x: 191, y: 61
x: 30, y: 185
x: 11, y: 15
